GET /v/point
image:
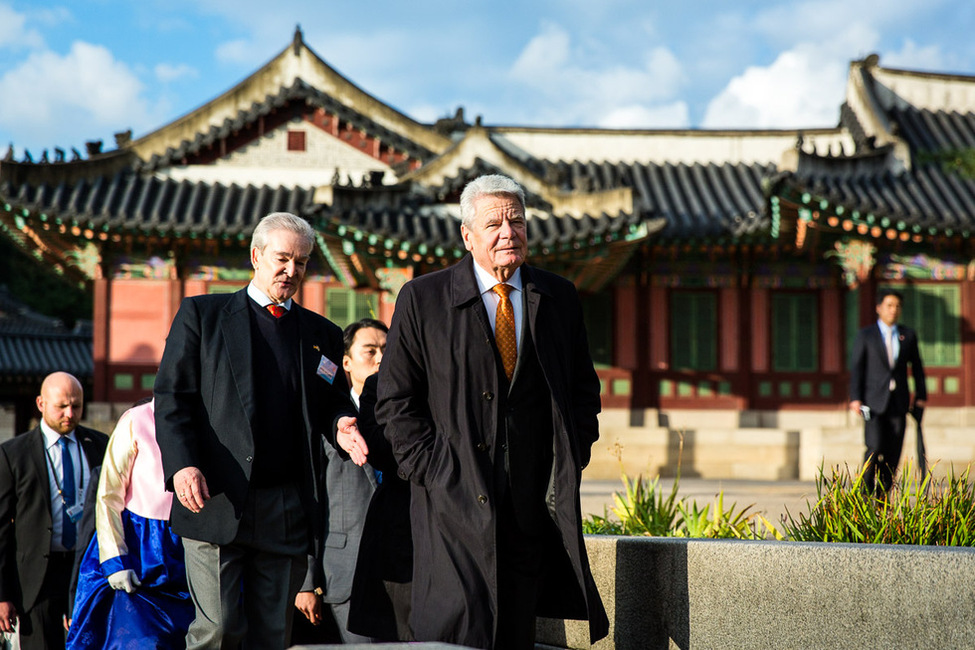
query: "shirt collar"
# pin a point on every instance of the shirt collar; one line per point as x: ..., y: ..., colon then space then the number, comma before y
x: 51, y: 436
x: 486, y: 281
x: 261, y: 298
x: 887, y: 330
x: 884, y: 327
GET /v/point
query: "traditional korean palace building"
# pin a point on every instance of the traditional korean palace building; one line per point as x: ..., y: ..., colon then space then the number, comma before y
x: 720, y: 270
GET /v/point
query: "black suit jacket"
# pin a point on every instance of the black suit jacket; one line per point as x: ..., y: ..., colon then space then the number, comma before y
x: 206, y: 408
x: 25, y: 511
x: 870, y: 371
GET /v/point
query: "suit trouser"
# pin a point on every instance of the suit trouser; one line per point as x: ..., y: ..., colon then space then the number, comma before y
x: 519, y: 571
x: 42, y: 627
x: 341, y: 613
x: 244, y: 591
x: 884, y: 437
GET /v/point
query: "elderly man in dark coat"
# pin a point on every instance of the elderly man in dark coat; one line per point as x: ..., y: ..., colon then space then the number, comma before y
x: 489, y: 399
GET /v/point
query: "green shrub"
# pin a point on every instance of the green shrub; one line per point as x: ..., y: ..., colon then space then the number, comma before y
x: 917, y: 511
x: 642, y: 509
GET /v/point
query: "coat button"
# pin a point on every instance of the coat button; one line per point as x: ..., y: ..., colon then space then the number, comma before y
x: 249, y: 459
x: 481, y: 446
x: 402, y: 474
x: 488, y: 395
x: 481, y: 499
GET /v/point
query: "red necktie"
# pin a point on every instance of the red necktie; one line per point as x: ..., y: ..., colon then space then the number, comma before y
x: 277, y: 310
x: 504, y: 329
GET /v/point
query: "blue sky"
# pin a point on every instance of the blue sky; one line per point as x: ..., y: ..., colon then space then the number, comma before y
x: 81, y: 70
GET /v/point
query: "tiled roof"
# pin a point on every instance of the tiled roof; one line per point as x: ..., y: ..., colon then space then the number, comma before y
x: 32, y: 345
x: 298, y: 92
x: 932, y: 131
x: 136, y: 202
x: 924, y: 198
x: 419, y: 221
x: 696, y: 201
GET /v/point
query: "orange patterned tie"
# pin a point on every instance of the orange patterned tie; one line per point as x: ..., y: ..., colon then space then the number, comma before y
x: 504, y: 329
x: 277, y: 310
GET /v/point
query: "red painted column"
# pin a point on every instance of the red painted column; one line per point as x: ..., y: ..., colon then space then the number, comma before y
x: 659, y: 330
x: 760, y: 330
x: 831, y: 324
x: 100, y: 338
x: 625, y: 353
x: 728, y: 310
x: 968, y: 340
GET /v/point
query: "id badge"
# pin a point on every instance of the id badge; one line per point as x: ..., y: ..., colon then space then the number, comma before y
x: 74, y: 513
x: 327, y: 369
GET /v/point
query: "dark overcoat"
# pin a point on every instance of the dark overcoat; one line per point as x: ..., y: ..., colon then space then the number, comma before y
x: 386, y: 551
x: 438, y: 385
x: 206, y: 409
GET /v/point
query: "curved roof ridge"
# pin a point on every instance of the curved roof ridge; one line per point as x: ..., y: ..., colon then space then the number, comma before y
x: 294, y: 62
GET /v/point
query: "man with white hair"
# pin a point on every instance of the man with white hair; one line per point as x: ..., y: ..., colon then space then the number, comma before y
x: 248, y: 384
x: 489, y: 398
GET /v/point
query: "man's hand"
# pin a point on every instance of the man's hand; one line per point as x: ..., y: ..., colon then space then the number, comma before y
x: 191, y: 488
x: 919, y: 403
x: 8, y: 616
x: 309, y: 604
x: 855, y: 406
x: 349, y: 439
x: 124, y: 580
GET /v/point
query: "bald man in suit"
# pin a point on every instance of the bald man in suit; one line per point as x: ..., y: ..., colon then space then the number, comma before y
x: 43, y: 476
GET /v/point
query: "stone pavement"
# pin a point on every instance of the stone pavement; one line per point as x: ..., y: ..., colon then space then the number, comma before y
x: 770, y: 498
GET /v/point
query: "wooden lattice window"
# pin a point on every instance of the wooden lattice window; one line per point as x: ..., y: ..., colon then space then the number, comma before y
x: 345, y: 306
x: 795, y: 332
x: 694, y: 330
x: 296, y: 141
x: 933, y: 310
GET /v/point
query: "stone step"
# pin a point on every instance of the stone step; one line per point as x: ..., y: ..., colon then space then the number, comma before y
x: 761, y: 453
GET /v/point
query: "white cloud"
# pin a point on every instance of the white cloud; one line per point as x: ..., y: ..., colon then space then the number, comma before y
x: 546, y: 53
x: 560, y: 77
x: 668, y: 116
x: 166, y: 72
x: 803, y: 87
x: 239, y: 51
x: 13, y: 31
x: 52, y: 97
x: 915, y: 57
x: 834, y: 20
x: 799, y: 89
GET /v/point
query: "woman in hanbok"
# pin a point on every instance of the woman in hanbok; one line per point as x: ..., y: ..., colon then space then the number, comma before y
x: 132, y: 589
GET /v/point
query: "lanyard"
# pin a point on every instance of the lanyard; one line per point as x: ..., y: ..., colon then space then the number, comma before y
x: 57, y: 481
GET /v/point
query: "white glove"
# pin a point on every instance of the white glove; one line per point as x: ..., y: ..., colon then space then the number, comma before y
x: 125, y: 579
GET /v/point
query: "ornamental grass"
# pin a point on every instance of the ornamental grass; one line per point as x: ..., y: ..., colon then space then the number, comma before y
x: 917, y: 510
x: 921, y: 511
x: 642, y: 509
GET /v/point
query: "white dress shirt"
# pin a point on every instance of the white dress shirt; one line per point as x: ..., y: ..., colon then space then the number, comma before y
x: 486, y: 282
x: 261, y: 299
x: 890, y: 330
